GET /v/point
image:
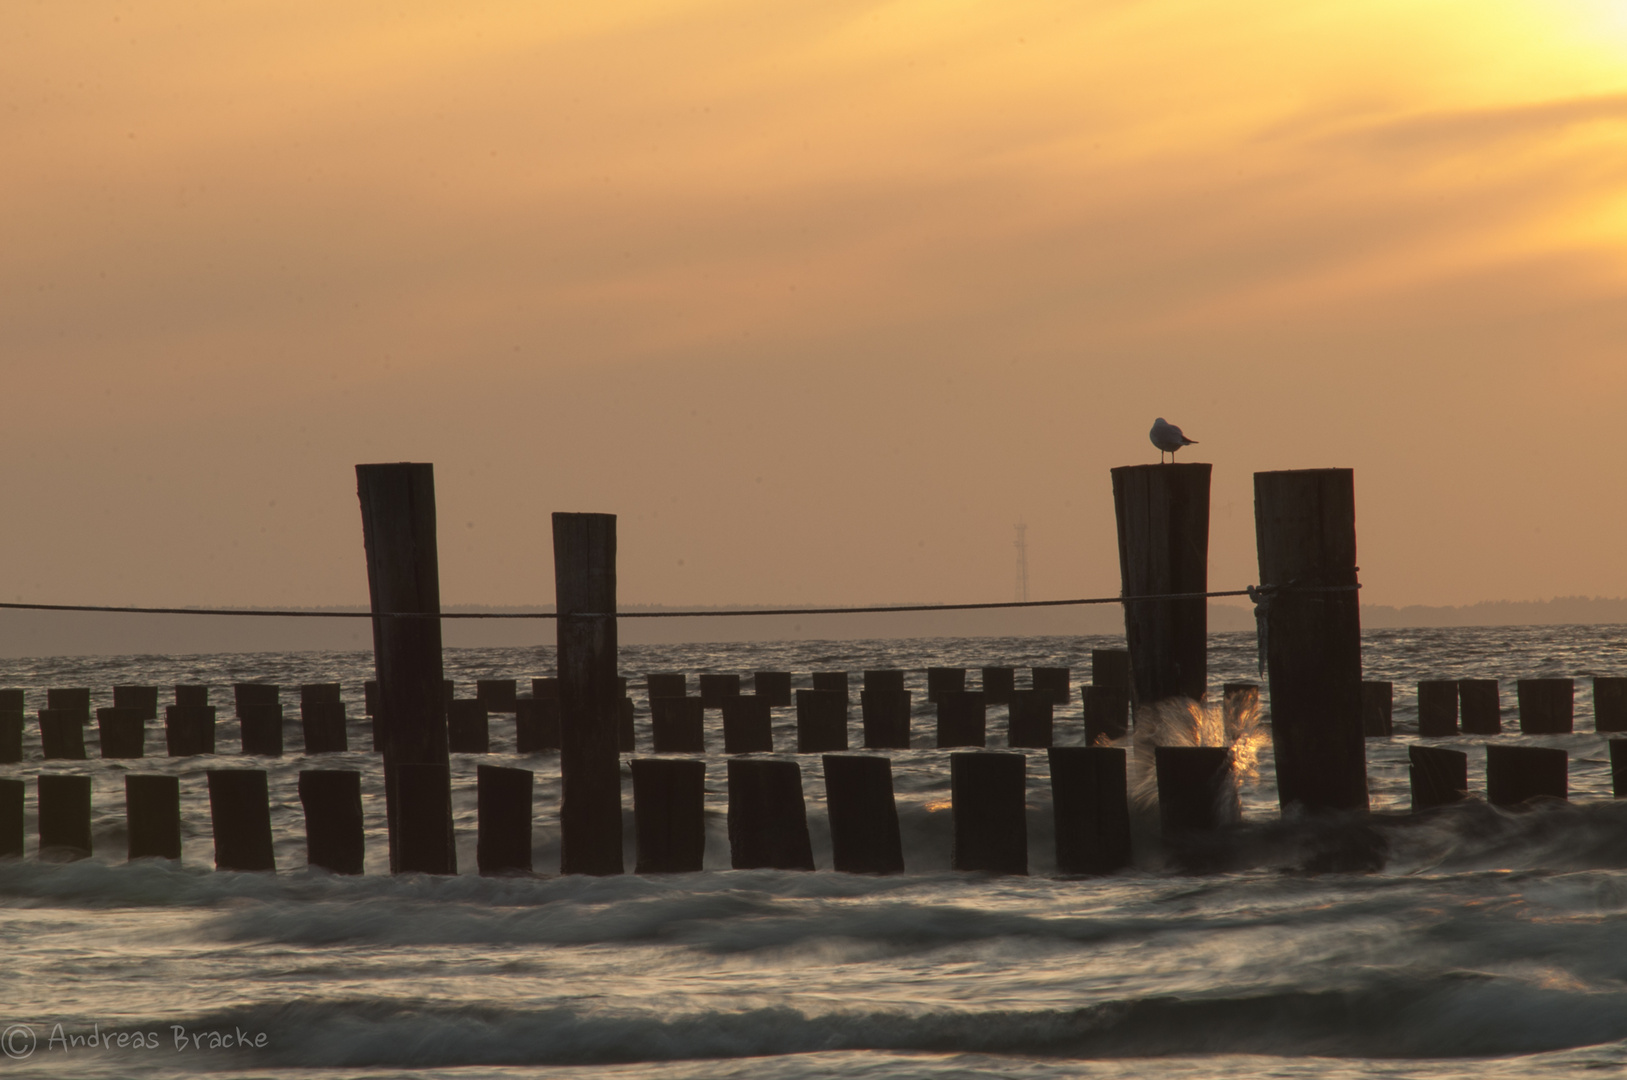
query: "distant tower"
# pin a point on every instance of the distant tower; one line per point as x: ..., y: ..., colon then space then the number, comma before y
x: 1022, y: 563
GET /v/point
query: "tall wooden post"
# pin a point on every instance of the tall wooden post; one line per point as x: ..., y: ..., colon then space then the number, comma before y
x: 1163, y: 518
x: 403, y: 576
x: 589, y: 693
x: 1305, y: 531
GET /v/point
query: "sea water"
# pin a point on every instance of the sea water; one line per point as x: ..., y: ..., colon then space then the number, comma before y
x: 1491, y: 943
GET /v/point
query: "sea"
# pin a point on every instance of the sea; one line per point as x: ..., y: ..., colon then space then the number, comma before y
x: 1489, y: 943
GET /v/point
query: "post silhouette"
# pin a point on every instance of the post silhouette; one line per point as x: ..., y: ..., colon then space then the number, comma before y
x: 152, y: 814
x: 1163, y: 527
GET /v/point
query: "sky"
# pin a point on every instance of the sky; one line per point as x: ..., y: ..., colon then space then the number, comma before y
x: 821, y: 298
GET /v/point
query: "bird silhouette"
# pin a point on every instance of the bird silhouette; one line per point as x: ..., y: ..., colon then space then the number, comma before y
x: 1168, y: 438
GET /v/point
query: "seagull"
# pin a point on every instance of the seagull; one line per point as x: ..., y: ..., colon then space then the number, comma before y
x: 1168, y: 437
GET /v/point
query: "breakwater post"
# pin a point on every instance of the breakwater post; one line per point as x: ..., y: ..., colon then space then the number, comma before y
x: 240, y: 812
x: 1090, y: 802
x: 332, y: 801
x: 1440, y: 777
x: 152, y: 814
x: 12, y: 791
x: 1479, y: 710
x: 1377, y: 709
x: 1197, y: 789
x: 503, y: 820
x: 768, y: 820
x: 678, y: 724
x: 1547, y: 706
x: 886, y: 716
x: 1515, y: 774
x: 1437, y: 708
x: 821, y: 721
x: 748, y: 725
x: 1609, y: 703
x: 64, y: 811
x: 669, y: 814
x: 1163, y: 527
x: 988, y: 792
x: 864, y: 832
x: 122, y: 732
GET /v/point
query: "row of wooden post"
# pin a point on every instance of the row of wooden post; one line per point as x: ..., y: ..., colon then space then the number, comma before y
x: 1546, y: 707
x: 1514, y: 774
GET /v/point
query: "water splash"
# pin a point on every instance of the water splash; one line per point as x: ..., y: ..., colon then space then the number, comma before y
x: 1184, y: 722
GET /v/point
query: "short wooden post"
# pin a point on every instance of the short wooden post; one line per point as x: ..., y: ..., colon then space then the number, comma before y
x: 261, y: 727
x: 189, y: 730
x: 122, y: 732
x: 886, y: 679
x: 370, y: 697
x: 748, y: 726
x: 191, y: 695
x: 404, y: 589
x: 152, y: 814
x: 998, y: 684
x: 311, y: 693
x: 498, y: 695
x: 1030, y: 719
x: 255, y: 694
x: 590, y: 693
x: 468, y: 729
x: 12, y: 700
x: 669, y: 814
x: 334, y: 836
x: 546, y: 687
x: 666, y: 684
x: 864, y: 832
x: 1437, y: 708
x: 989, y: 794
x: 503, y: 830
x: 64, y: 816
x: 714, y: 688
x: 831, y: 680
x: 1479, y: 710
x: 1618, y: 768
x: 1163, y: 527
x: 1377, y: 709
x: 1547, y: 706
x: 11, y: 736
x: 144, y: 699
x: 1517, y: 774
x: 626, y: 732
x: 1609, y: 703
x: 536, y: 725
x: 1197, y: 789
x: 768, y: 821
x: 1107, y: 714
x: 322, y: 724
x: 1305, y: 529
x: 62, y: 734
x: 1056, y: 681
x: 1091, y: 808
x: 1440, y: 777
x: 12, y: 793
x: 821, y: 721
x: 774, y: 687
x: 678, y: 725
x: 941, y: 681
x: 1110, y: 667
x: 886, y: 716
x: 962, y: 719
x: 74, y: 699
x: 240, y: 811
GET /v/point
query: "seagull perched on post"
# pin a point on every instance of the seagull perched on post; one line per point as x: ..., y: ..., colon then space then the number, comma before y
x: 1168, y: 437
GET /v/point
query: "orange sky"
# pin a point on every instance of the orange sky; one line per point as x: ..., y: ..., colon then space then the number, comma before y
x: 821, y: 298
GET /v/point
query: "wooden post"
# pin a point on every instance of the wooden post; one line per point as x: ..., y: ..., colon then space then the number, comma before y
x: 831, y: 680
x: 714, y: 688
x: 334, y: 836
x: 678, y: 725
x: 144, y: 699
x: 121, y: 732
x: 626, y: 731
x: 669, y: 814
x: 62, y: 734
x: 998, y: 685
x: 370, y: 697
x: 666, y: 684
x: 74, y: 699
x: 152, y: 814
x: 189, y: 730
x: 1305, y: 528
x: 498, y: 695
x: 748, y: 725
x: 774, y: 687
x: 311, y: 693
x: 864, y: 833
x: 1091, y: 808
x: 821, y: 721
x: 1163, y: 525
x: 404, y: 587
x: 255, y: 694
x: 1516, y: 774
x: 1480, y: 711
x: 1547, y: 706
x: 322, y: 726
x: 1437, y: 708
x: 768, y: 821
x: 12, y: 700
x: 1029, y: 722
x: 1440, y: 777
x: 885, y: 679
x: 261, y: 727
x: 12, y: 792
x: 1107, y: 714
x: 1377, y: 709
x: 425, y: 791
x: 240, y: 811
x: 590, y: 693
x: 1609, y: 703
x: 64, y: 811
x: 468, y: 729
x: 536, y: 725
x: 962, y: 719
x: 989, y: 794
x: 1056, y: 681
x: 941, y: 681
x: 547, y: 689
x: 1618, y: 768
x: 1197, y: 789
x: 191, y: 695
x: 503, y: 810
x: 11, y: 737
x: 886, y: 719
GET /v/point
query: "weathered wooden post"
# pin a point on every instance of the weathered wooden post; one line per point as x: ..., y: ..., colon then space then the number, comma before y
x: 1029, y: 721
x: 748, y: 726
x: 1547, y: 706
x: 666, y: 684
x: 1479, y: 710
x: 12, y: 699
x: 11, y: 737
x: 62, y: 734
x: 1091, y: 806
x: 590, y: 693
x: 884, y: 679
x: 142, y: 698
x: 189, y: 730
x: 12, y: 792
x: 261, y: 728
x: 1515, y: 774
x: 768, y: 821
x: 240, y: 812
x: 255, y: 694
x: 988, y: 792
x: 503, y: 813
x: 1197, y: 789
x: 864, y: 833
x: 1305, y: 528
x: 322, y: 725
x: 1163, y: 525
x: 64, y: 809
x: 940, y: 681
x: 669, y: 814
x: 678, y: 724
x: 468, y: 728
x: 1056, y: 681
x: 189, y: 695
x: 334, y: 836
x: 1618, y: 769
x: 831, y: 680
x: 774, y: 687
x: 310, y: 693
x: 1377, y: 709
x: 1609, y: 703
x: 1437, y: 708
x: 121, y: 732
x: 962, y: 719
x: 1440, y: 777
x: 999, y: 683
x: 74, y: 699
x: 536, y: 724
x: 152, y: 814
x: 404, y: 585
x: 821, y: 721
x: 498, y: 695
x: 715, y: 687
x: 886, y: 716
x: 1107, y: 714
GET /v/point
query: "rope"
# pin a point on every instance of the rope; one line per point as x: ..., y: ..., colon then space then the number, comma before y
x: 1262, y: 595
